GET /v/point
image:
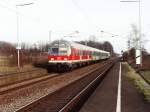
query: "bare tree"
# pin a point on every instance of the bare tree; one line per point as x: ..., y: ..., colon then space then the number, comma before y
x: 92, y: 38
x: 135, y: 36
x: 7, y: 49
x: 108, y: 47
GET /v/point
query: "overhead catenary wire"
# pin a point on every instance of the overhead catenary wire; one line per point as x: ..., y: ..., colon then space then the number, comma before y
x: 13, y: 10
x: 84, y: 14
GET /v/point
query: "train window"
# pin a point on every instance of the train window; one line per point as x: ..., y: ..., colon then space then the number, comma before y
x: 87, y: 52
x: 81, y: 52
x: 84, y: 53
x: 92, y: 53
x: 63, y: 52
x: 49, y: 51
x: 74, y: 51
x: 54, y: 50
x: 78, y: 52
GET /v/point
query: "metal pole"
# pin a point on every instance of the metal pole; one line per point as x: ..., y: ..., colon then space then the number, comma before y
x: 17, y: 15
x: 140, y: 32
x: 50, y: 33
x: 86, y: 42
x: 140, y: 29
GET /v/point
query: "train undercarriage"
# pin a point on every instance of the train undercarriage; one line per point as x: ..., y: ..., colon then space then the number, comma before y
x: 65, y: 66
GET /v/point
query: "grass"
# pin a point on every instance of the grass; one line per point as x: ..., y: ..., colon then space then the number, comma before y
x: 146, y: 75
x: 12, y: 78
x: 8, y: 70
x: 138, y: 81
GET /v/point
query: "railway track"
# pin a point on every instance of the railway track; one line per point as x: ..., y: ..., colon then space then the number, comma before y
x: 9, y: 87
x: 71, y: 96
x: 20, y: 72
x: 21, y: 76
x: 24, y: 83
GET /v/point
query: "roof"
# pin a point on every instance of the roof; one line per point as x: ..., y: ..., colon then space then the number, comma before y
x: 79, y: 46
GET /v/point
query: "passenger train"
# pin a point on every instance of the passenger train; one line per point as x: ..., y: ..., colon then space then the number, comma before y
x: 65, y: 55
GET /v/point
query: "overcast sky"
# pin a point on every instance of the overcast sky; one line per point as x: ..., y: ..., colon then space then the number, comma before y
x: 63, y: 17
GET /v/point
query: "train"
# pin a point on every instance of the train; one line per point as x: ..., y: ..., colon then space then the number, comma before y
x: 65, y: 55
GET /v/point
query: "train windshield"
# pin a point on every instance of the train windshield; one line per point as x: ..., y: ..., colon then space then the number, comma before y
x: 58, y: 48
x: 54, y: 51
x: 63, y: 51
x: 58, y: 51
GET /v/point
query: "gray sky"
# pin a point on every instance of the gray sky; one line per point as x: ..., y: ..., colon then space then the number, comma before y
x: 63, y: 17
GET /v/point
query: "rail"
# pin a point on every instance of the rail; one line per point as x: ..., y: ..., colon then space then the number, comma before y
x: 74, y: 96
x: 73, y: 104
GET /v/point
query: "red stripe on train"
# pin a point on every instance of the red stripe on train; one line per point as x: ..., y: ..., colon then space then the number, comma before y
x: 71, y: 57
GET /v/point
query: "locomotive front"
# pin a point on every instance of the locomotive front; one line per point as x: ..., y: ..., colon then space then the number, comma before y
x: 58, y: 55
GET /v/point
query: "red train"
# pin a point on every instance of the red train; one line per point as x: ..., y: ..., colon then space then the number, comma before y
x: 65, y: 55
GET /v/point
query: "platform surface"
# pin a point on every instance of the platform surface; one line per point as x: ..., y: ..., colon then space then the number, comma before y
x: 105, y: 97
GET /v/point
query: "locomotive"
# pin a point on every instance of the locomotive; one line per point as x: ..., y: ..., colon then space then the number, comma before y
x: 65, y: 55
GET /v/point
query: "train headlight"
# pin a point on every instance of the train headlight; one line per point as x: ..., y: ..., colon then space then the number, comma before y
x: 65, y: 59
x: 52, y: 59
x: 58, y: 58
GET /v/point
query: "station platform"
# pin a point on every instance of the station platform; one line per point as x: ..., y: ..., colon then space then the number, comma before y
x: 106, y: 97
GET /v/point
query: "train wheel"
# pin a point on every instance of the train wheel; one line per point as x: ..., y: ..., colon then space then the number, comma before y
x: 67, y: 68
x: 59, y: 69
x: 48, y: 70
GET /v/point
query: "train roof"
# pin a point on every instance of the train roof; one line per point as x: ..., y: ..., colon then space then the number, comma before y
x: 84, y: 47
x: 80, y: 46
